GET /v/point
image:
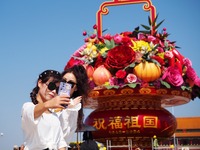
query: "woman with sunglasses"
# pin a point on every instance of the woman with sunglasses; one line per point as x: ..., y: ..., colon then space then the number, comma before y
x: 41, y: 126
x: 72, y: 117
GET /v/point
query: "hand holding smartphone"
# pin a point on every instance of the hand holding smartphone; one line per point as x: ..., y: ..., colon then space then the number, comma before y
x: 65, y: 89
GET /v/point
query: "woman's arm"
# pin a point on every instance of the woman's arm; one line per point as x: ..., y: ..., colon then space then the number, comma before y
x: 40, y: 108
x: 56, y: 102
x: 63, y: 148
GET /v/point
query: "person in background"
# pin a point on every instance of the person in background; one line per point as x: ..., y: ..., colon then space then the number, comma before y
x: 155, y: 142
x: 88, y: 142
x: 71, y: 118
x: 16, y: 147
x: 41, y: 126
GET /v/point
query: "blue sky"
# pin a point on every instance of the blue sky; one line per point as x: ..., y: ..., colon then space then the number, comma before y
x: 36, y: 35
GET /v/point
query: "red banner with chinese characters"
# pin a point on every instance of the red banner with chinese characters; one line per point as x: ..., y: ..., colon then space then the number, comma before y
x: 132, y: 123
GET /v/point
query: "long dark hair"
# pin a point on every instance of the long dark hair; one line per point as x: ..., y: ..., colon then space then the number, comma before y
x: 83, y: 87
x: 44, y: 77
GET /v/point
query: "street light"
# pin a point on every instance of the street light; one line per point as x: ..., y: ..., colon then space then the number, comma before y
x: 174, y: 136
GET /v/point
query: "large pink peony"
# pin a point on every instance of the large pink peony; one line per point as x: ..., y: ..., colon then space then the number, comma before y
x: 172, y: 75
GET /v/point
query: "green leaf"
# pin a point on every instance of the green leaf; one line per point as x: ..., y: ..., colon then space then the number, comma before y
x: 145, y: 32
x: 131, y: 65
x: 137, y: 28
x: 158, y: 24
x: 165, y: 84
x: 111, y: 86
x: 109, y: 44
x: 154, y: 21
x: 166, y: 43
x: 185, y: 88
x: 104, y: 30
x: 146, y: 27
x: 132, y: 85
x: 156, y: 62
x: 155, y: 47
x: 149, y: 20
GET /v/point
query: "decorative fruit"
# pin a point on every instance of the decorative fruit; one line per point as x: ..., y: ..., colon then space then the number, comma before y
x: 101, y: 75
x: 90, y: 71
x: 147, y: 71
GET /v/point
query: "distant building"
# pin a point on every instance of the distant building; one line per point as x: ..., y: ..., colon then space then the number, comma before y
x: 187, y: 135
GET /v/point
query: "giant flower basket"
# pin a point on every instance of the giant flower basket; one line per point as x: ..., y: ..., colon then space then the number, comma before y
x: 133, y: 76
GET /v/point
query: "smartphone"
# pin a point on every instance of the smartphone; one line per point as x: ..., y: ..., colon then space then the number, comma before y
x: 64, y: 88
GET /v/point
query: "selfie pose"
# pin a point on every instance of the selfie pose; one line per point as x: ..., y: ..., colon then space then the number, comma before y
x: 51, y: 119
x: 71, y: 118
x: 41, y: 126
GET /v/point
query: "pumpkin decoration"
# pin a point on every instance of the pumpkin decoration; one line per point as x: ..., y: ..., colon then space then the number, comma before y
x: 147, y: 71
x: 101, y: 75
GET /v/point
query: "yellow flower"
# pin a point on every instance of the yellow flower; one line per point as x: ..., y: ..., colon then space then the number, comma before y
x: 161, y: 55
x: 103, y: 50
x: 141, y: 46
x: 90, y: 51
x: 89, y: 44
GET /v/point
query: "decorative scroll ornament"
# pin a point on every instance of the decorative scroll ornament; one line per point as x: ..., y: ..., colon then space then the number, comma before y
x: 103, y: 10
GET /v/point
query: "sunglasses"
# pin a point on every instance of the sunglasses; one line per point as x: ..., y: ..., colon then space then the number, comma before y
x: 71, y: 82
x: 52, y: 86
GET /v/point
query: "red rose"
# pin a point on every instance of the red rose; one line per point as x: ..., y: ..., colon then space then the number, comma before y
x: 119, y: 57
x: 121, y: 74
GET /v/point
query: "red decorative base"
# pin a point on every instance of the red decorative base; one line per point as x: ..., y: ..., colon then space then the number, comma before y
x: 122, y: 114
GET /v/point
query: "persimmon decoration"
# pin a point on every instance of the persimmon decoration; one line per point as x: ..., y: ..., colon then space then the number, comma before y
x: 90, y: 71
x: 147, y: 71
x: 101, y: 75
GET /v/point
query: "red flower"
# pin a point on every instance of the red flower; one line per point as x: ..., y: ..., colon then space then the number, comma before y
x: 119, y: 57
x: 126, y: 40
x: 121, y: 74
x: 158, y: 59
x: 73, y: 62
x: 99, y: 61
x: 107, y: 37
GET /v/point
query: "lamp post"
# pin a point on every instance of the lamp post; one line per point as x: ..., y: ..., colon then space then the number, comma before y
x: 174, y: 136
x: 1, y: 135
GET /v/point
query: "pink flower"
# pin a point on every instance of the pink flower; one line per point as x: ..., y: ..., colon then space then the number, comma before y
x: 131, y: 78
x: 187, y: 62
x: 151, y: 38
x: 121, y: 74
x: 117, y: 38
x: 197, y: 82
x: 191, y: 74
x: 77, y: 52
x: 160, y: 49
x: 172, y: 75
x: 113, y: 81
x: 141, y: 36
